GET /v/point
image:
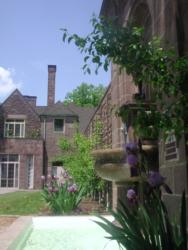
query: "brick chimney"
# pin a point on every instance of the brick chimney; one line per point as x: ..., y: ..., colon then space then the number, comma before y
x: 51, y: 84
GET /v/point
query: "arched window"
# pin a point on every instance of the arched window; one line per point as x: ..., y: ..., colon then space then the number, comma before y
x: 140, y: 17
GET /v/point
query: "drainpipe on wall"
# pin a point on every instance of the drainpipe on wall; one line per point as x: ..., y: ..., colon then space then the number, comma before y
x: 45, y: 160
x: 44, y: 124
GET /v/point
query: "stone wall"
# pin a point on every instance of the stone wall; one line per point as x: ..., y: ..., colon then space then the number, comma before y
x: 104, y: 115
x: 166, y: 19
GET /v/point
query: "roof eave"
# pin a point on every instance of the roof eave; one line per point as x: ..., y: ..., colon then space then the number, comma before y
x: 58, y: 115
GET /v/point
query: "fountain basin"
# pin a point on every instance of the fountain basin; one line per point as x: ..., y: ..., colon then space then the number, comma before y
x: 64, y: 232
x: 110, y: 164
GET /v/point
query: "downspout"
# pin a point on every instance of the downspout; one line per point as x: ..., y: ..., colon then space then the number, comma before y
x: 44, y: 124
x: 44, y: 153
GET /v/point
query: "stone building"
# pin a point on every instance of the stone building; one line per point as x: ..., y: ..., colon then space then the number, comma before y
x: 102, y: 115
x: 29, y: 135
x: 166, y: 19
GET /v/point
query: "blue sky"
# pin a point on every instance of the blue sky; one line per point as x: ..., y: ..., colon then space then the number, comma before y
x: 31, y: 39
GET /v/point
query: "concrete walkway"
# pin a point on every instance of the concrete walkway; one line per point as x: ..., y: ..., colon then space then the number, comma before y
x: 11, y: 233
x: 8, y: 190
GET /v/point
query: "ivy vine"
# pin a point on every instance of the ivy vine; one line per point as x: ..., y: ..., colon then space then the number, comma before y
x: 148, y: 63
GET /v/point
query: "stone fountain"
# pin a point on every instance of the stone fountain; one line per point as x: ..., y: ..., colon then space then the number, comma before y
x: 110, y: 164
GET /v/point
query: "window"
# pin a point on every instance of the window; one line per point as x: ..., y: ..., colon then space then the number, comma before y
x: 59, y: 125
x: 9, y: 166
x: 171, y: 150
x: 30, y: 170
x: 14, y: 128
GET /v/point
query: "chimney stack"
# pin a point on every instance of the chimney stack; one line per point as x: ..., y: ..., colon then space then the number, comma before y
x: 51, y: 84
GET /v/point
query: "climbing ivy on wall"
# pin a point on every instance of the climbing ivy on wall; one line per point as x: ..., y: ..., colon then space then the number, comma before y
x: 148, y: 63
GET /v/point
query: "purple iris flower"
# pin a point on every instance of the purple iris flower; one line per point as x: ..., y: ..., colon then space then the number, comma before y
x: 66, y: 175
x: 54, y: 177
x: 155, y: 179
x: 132, y: 159
x: 72, y: 188
x: 50, y: 189
x: 131, y: 147
x: 131, y: 194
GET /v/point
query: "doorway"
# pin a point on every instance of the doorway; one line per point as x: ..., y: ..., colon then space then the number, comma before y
x: 9, y: 167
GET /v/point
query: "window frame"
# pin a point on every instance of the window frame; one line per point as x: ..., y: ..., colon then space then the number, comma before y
x: 14, y: 123
x: 59, y: 131
x: 171, y: 152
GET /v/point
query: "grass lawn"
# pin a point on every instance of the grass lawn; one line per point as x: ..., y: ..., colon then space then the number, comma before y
x: 21, y: 203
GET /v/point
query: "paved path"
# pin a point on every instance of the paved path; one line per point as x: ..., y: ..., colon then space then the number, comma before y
x: 8, y: 190
x: 9, y: 235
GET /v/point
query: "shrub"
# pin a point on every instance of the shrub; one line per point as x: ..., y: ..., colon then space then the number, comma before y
x: 78, y: 161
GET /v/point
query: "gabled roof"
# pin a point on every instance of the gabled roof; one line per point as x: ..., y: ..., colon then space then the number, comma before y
x: 60, y: 109
x: 21, y: 98
x: 57, y: 109
x: 15, y: 92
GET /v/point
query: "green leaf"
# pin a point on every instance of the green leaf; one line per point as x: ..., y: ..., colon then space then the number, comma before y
x: 70, y: 39
x: 86, y: 58
x: 64, y: 36
x: 88, y: 71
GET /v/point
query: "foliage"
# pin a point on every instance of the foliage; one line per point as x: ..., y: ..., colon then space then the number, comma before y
x: 21, y: 203
x: 149, y: 180
x: 77, y: 159
x: 34, y: 134
x: 147, y: 62
x: 86, y: 95
x: 147, y: 227
x: 61, y: 197
x: 146, y: 120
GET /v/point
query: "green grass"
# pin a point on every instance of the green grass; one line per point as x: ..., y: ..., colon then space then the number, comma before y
x: 21, y: 203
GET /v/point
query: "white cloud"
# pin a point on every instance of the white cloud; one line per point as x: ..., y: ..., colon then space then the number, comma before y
x: 7, y: 82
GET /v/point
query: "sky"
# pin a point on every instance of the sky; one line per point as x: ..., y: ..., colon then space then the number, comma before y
x: 31, y: 40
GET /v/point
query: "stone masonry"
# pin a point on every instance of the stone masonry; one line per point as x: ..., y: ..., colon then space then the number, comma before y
x: 167, y: 19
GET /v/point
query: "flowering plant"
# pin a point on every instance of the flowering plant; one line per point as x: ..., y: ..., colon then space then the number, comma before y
x: 61, y: 197
x: 147, y: 227
x: 152, y: 180
x: 145, y: 223
x: 132, y: 157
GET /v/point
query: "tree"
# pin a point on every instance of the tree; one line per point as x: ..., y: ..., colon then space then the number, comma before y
x: 86, y: 95
x: 148, y: 63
